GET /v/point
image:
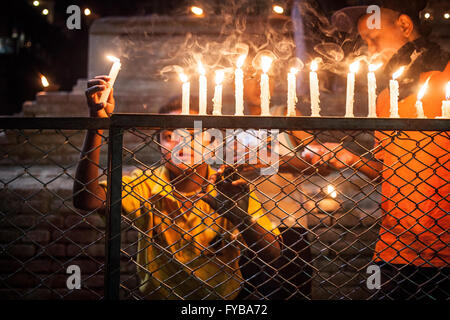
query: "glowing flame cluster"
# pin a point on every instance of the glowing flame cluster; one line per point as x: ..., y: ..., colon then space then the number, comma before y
x: 294, y: 70
x: 197, y: 11
x: 354, y: 67
x: 240, y: 61
x: 219, y: 76
x: 374, y: 67
x: 44, y: 81
x: 314, y: 66
x: 398, y: 73
x: 183, y: 77
x: 113, y: 59
x: 422, y: 90
x: 331, y: 191
x: 266, y: 61
x: 201, y: 69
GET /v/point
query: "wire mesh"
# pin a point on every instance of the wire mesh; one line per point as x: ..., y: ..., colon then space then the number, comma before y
x: 331, y: 221
x: 307, y: 219
x: 42, y: 234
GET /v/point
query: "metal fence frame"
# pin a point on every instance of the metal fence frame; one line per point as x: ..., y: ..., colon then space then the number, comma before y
x: 119, y: 122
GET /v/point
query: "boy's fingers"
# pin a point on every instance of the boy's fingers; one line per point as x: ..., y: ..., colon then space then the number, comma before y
x: 95, y: 89
x: 94, y: 82
x: 103, y: 77
x: 239, y: 182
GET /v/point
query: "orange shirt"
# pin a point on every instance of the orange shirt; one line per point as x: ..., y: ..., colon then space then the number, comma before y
x: 416, y: 187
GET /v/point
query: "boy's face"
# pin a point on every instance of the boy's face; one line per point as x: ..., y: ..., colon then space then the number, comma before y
x: 386, y: 40
x: 169, y: 140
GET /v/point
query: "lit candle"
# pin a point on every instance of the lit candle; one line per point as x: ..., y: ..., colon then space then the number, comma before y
x: 331, y: 191
x: 44, y: 81
x: 217, y: 111
x: 393, y: 90
x: 314, y: 89
x: 265, y: 90
x: 292, y: 94
x: 419, y: 105
x: 185, y: 94
x: 202, y: 90
x: 372, y: 89
x: 239, y: 86
x: 351, y: 89
x: 446, y: 102
x: 113, y: 75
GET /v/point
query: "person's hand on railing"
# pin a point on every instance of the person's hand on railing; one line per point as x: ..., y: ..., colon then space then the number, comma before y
x: 94, y: 91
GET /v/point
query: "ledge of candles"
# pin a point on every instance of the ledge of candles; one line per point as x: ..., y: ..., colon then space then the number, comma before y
x: 265, y: 62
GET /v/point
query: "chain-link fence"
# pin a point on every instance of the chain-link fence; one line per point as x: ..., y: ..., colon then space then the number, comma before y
x: 321, y: 208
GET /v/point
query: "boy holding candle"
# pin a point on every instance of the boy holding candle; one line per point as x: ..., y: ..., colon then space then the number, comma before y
x: 202, y: 233
x: 413, y: 249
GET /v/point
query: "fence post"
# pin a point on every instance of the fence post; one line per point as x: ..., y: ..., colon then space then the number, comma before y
x: 113, y: 216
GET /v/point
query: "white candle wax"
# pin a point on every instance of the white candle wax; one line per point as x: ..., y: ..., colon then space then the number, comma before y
x: 202, y: 91
x: 446, y: 109
x: 265, y: 95
x: 393, y: 89
x: 314, y: 90
x: 372, y: 90
x: 265, y: 89
x: 113, y: 75
x: 419, y: 106
x: 292, y: 95
x: 239, y: 92
x: 217, y: 110
x: 393, y: 93
x: 419, y: 109
x: 350, y: 94
x: 185, y: 94
x: 351, y: 89
x: 446, y: 102
x: 239, y: 87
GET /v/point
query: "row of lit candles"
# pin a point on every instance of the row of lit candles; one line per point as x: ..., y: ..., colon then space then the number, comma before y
x: 266, y: 62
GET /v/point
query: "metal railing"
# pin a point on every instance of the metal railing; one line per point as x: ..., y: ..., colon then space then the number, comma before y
x: 339, y: 237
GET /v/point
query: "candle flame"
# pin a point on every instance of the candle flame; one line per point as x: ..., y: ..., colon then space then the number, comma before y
x: 277, y: 9
x: 219, y: 76
x: 422, y: 90
x: 447, y: 91
x: 331, y: 191
x: 354, y: 67
x: 44, y: 81
x: 183, y: 77
x: 398, y: 73
x: 197, y: 10
x: 201, y: 69
x: 240, y: 61
x: 113, y: 59
x: 265, y: 63
x: 294, y: 70
x: 314, y: 65
x: 374, y: 67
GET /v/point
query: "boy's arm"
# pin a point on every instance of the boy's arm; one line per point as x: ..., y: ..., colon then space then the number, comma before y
x: 233, y: 203
x: 340, y: 158
x: 87, y: 193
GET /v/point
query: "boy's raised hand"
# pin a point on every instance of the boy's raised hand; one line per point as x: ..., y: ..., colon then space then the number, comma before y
x: 95, y: 88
